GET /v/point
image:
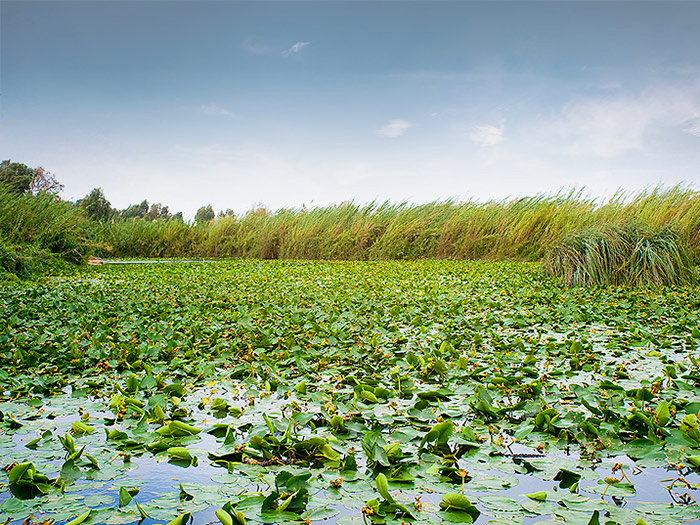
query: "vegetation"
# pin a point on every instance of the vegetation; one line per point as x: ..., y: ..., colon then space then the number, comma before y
x: 520, y: 229
x: 19, y: 178
x: 204, y: 214
x: 40, y: 226
x: 276, y: 391
x: 633, y: 256
x: 37, y: 223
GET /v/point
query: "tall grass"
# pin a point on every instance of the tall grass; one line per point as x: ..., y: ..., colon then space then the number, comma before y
x: 633, y: 255
x: 44, y: 222
x: 522, y: 229
x: 519, y: 229
x: 138, y: 237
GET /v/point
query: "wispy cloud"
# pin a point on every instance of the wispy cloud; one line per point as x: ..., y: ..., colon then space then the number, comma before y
x: 693, y: 127
x: 609, y: 126
x: 486, y: 136
x: 394, y: 128
x: 610, y: 85
x: 213, y: 109
x: 255, y: 48
x: 426, y: 75
x: 295, y: 48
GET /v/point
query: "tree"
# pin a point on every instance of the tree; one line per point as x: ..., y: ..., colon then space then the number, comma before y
x: 135, y: 210
x: 17, y: 177
x: 158, y: 211
x: 44, y: 182
x: 204, y: 214
x: 20, y: 178
x: 96, y: 205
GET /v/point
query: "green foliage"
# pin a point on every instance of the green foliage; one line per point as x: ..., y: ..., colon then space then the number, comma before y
x: 630, y: 255
x: 140, y: 237
x: 276, y: 391
x: 25, y: 482
x: 135, y: 210
x: 521, y: 229
x: 204, y: 214
x: 37, y: 232
x: 148, y: 212
x: 17, y: 178
x: 96, y: 205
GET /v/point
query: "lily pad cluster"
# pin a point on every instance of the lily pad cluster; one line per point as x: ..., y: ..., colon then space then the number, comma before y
x: 272, y: 392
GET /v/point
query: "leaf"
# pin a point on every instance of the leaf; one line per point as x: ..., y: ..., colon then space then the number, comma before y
x: 537, y: 496
x: 457, y: 516
x: 78, y: 427
x: 283, y: 506
x: 116, y: 435
x: 383, y: 488
x: 368, y: 397
x: 142, y: 512
x: 124, y: 497
x: 662, y: 413
x: 21, y: 471
x: 439, y: 433
x: 179, y: 453
x: 454, y: 502
x: 219, y: 404
x: 694, y: 461
x: 132, y: 384
x: 182, y: 519
x: 224, y: 517
x: 178, y: 429
x: 594, y: 518
x: 80, y: 519
x: 566, y: 478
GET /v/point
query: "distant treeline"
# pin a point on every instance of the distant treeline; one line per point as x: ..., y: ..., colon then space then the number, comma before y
x: 36, y: 225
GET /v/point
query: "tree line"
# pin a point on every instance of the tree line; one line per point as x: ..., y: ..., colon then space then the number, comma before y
x: 20, y: 179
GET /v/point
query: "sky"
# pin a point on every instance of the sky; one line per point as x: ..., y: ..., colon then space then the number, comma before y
x: 290, y: 104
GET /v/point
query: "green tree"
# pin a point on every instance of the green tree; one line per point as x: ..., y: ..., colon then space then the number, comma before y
x: 135, y: 210
x: 96, y: 205
x: 204, y: 214
x: 158, y: 211
x: 17, y: 177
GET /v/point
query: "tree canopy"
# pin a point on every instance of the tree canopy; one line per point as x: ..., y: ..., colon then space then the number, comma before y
x: 96, y: 205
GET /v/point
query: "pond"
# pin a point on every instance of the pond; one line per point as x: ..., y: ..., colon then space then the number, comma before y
x: 344, y: 393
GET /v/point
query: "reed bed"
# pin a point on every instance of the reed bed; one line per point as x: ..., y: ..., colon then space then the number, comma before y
x: 43, y: 222
x: 632, y: 256
x: 519, y: 229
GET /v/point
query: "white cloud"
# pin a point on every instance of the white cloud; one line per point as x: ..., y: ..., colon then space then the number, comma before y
x: 213, y: 109
x: 486, y: 136
x: 612, y: 125
x: 296, y: 48
x: 429, y: 75
x: 255, y: 48
x: 394, y: 128
x: 693, y: 127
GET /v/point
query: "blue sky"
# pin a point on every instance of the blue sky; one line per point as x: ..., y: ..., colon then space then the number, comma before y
x: 309, y: 103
